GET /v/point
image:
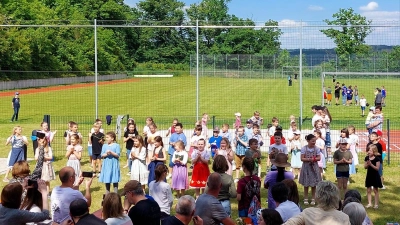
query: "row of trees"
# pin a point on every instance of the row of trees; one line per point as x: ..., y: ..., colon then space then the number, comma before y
x: 71, y: 49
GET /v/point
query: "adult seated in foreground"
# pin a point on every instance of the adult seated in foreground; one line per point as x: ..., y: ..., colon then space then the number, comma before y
x: 207, y: 205
x: 113, y: 212
x: 327, y: 197
x: 11, y: 202
x: 356, y: 213
x: 353, y: 195
x: 287, y: 209
x: 79, y: 212
x: 144, y: 211
x: 184, y: 213
x: 63, y: 195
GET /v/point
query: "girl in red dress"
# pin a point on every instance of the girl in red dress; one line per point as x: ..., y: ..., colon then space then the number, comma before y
x: 200, y: 173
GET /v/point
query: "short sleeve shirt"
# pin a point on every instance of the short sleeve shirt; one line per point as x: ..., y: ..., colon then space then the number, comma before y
x: 210, y: 210
x: 61, y: 198
x: 338, y: 155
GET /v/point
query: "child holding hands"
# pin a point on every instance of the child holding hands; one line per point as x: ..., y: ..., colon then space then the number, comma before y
x: 74, y: 155
x: 342, y: 158
x: 110, y: 171
x: 180, y: 180
x: 372, y: 163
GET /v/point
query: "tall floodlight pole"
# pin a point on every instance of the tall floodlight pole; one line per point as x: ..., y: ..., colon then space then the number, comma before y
x: 95, y: 70
x: 197, y: 69
x: 301, y: 72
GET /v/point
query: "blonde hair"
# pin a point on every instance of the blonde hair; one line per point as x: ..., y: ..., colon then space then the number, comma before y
x: 374, y: 149
x: 112, y: 206
x: 180, y: 144
x: 15, y: 128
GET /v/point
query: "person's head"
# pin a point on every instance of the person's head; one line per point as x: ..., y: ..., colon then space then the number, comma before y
x: 314, y: 108
x: 351, y: 129
x: 248, y: 164
x: 78, y: 209
x: 175, y: 121
x: 257, y: 115
x: 275, y: 121
x: 327, y: 195
x: 278, y: 137
x: 225, y: 127
x: 17, y: 94
x: 179, y: 146
x: 100, y: 122
x: 158, y: 141
x: 178, y: 128
x: 270, y: 217
x: 279, y: 192
x: 20, y: 169
x: 318, y: 124
x: 249, y: 124
x: 214, y: 182
x: 111, y: 137
x: 216, y: 131
x: 348, y: 200
x: 253, y: 144
x: 343, y: 144
x: 198, y: 129
x: 130, y: 121
x: 356, y: 213
x: 293, y: 194
x: 153, y: 128
x: 317, y: 133
x: 293, y: 125
x: 67, y: 176
x: 311, y: 139
x: 344, y: 133
x: 112, y: 206
x: 292, y: 118
x: 220, y: 165
x: 149, y: 120
x: 73, y: 126
x: 201, y: 143
x: 33, y: 197
x: 17, y: 130
x: 74, y: 139
x: 362, y: 96
x: 296, y: 134
x: 138, y: 141
x: 353, y: 193
x: 238, y: 115
x: 225, y: 144
x: 161, y: 172
x: 373, y: 136
x: 44, y: 126
x: 185, y: 206
x: 373, y: 150
x: 131, y: 127
x: 240, y: 131
x: 132, y: 190
x: 11, y: 195
x: 378, y: 109
x: 256, y: 128
x: 96, y: 127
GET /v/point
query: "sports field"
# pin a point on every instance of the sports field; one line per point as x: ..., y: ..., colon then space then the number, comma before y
x: 166, y: 98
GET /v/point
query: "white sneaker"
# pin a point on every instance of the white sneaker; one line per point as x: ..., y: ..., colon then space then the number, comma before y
x: 383, y: 187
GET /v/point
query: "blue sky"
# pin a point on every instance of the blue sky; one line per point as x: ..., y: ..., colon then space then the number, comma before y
x: 313, y: 12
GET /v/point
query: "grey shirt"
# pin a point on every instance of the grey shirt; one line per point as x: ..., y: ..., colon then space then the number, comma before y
x: 228, y: 189
x: 21, y: 217
x: 210, y: 210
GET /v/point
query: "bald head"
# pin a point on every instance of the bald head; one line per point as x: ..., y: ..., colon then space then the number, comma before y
x: 66, y: 173
x: 214, y: 181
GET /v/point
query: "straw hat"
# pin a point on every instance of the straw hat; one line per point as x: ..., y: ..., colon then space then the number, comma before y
x: 281, y: 160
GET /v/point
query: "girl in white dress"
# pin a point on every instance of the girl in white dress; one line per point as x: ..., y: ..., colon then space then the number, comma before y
x: 74, y: 155
x: 139, y: 169
x: 226, y: 151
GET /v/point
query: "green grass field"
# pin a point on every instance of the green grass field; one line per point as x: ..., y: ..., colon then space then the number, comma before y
x: 166, y: 98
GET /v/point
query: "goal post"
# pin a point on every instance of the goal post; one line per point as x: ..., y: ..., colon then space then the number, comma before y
x: 354, y: 75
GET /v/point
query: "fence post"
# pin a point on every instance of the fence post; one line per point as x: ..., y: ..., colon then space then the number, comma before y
x: 213, y: 122
x: 46, y: 118
x: 388, y: 135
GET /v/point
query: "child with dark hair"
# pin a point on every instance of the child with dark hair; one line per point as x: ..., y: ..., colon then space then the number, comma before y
x: 254, y: 153
x: 270, y: 217
x: 277, y: 147
x: 110, y: 171
x: 310, y: 176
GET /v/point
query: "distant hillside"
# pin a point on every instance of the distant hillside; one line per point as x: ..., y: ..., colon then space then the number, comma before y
x: 319, y: 55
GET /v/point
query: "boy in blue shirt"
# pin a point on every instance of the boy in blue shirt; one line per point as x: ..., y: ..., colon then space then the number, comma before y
x: 177, y: 136
x: 214, y: 141
x: 248, y: 130
x: 241, y: 143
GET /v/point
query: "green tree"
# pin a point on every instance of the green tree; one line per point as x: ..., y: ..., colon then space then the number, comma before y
x: 349, y: 33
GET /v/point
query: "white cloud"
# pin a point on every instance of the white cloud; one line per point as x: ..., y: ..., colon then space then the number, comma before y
x: 369, y: 7
x: 291, y: 23
x: 382, y: 15
x: 315, y: 8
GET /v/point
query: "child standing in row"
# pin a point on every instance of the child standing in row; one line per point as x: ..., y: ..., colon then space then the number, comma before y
x: 177, y: 136
x: 342, y: 158
x: 241, y: 142
x: 73, y: 129
x: 226, y: 151
x: 180, y: 180
x: 110, y: 171
x: 310, y: 176
x: 17, y: 141
x: 372, y: 163
x: 321, y: 145
x: 96, y: 139
x: 254, y: 153
x: 296, y: 154
x: 139, y: 170
x: 47, y: 168
x: 129, y: 134
x: 214, y: 142
x: 363, y: 104
x: 171, y: 129
x: 277, y: 147
x: 200, y: 158
x: 74, y: 155
x: 353, y: 143
x: 157, y: 157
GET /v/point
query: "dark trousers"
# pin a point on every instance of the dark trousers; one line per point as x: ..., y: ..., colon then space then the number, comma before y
x: 15, y: 115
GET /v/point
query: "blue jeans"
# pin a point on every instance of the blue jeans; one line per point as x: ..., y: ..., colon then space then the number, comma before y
x: 15, y: 115
x: 344, y: 99
x: 227, y: 206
